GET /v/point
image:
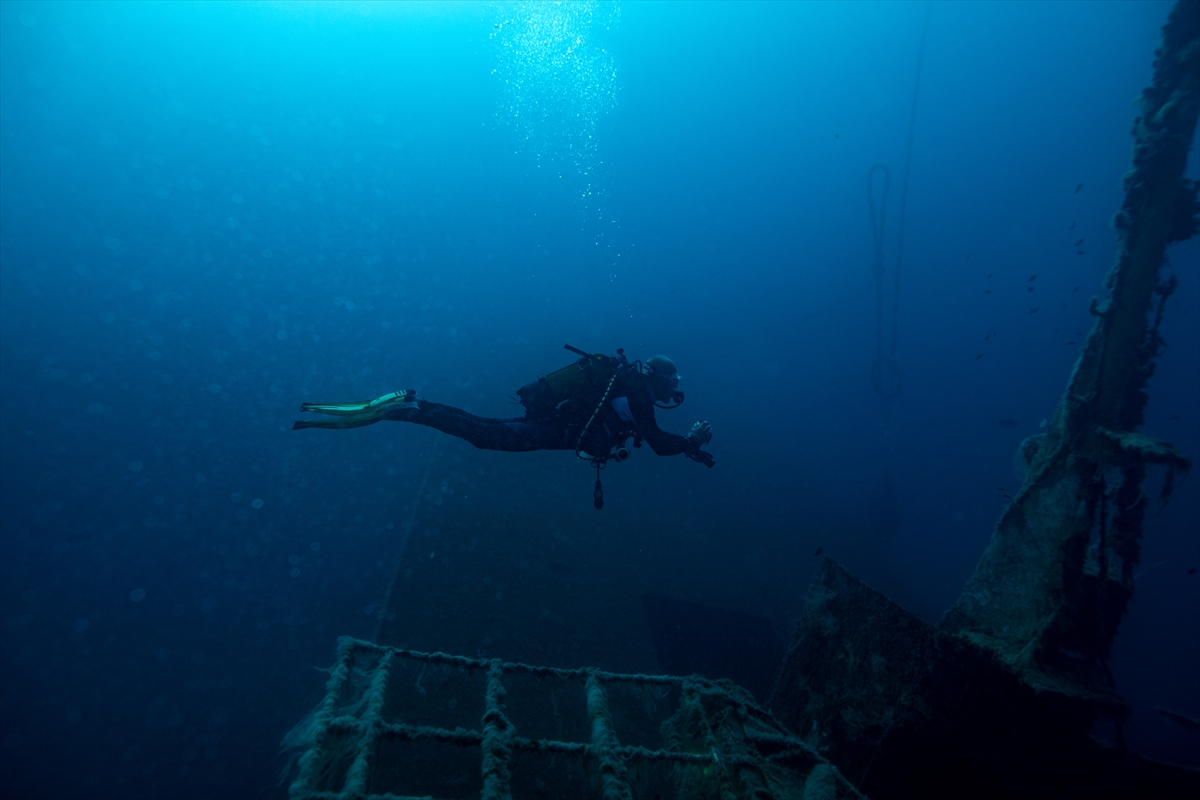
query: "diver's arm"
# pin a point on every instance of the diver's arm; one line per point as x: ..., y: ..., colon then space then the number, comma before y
x: 669, y: 444
x: 662, y: 442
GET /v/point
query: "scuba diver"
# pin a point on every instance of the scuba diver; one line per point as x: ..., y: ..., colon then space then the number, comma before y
x: 592, y: 406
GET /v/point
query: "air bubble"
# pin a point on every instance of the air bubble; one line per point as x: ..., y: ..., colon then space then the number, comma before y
x: 558, y: 80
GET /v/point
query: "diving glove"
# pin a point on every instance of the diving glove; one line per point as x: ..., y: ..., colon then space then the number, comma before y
x: 698, y: 436
x: 355, y: 415
x: 701, y: 432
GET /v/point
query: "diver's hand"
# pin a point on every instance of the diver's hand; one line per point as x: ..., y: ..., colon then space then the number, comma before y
x: 700, y: 434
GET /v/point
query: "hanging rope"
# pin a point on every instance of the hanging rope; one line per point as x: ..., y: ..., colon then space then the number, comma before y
x: 406, y: 531
x: 885, y: 375
x: 885, y: 372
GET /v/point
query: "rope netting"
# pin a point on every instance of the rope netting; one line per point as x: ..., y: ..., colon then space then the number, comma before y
x: 717, y: 742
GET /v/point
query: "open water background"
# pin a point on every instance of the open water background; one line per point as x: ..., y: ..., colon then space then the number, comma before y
x: 212, y: 212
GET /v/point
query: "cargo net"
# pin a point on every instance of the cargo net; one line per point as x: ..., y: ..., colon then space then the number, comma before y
x: 585, y: 733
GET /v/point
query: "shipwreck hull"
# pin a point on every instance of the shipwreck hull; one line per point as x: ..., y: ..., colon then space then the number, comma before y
x: 999, y: 699
x: 905, y: 709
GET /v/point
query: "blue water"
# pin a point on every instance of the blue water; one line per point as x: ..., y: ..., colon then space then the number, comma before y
x: 210, y: 213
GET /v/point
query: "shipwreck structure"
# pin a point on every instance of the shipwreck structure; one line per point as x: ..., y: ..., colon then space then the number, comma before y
x: 998, y: 699
x: 995, y: 701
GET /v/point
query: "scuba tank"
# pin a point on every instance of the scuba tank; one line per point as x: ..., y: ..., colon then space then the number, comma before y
x: 583, y: 379
x: 583, y: 388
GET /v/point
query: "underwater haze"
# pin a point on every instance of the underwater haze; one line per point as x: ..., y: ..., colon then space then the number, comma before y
x: 213, y: 212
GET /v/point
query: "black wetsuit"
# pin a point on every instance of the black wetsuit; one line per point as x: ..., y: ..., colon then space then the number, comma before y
x: 628, y: 411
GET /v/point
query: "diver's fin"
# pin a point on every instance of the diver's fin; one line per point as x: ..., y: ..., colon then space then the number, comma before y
x: 334, y: 409
x: 347, y: 409
x: 344, y: 422
x: 356, y: 415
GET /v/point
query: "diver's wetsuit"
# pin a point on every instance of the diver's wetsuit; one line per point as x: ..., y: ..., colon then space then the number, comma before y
x: 629, y: 411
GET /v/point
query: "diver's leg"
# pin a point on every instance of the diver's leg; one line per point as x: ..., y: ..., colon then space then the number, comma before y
x: 486, y: 433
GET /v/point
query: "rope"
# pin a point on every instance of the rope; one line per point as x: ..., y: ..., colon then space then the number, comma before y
x: 912, y: 128
x: 497, y: 738
x: 885, y: 372
x: 692, y: 696
x: 358, y: 776
x: 406, y: 534
x: 885, y: 375
x: 604, y: 742
x: 312, y: 761
x: 498, y: 742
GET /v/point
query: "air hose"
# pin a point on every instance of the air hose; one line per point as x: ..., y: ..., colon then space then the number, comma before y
x: 597, y: 461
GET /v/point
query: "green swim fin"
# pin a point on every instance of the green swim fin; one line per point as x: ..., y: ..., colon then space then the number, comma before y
x: 356, y: 415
